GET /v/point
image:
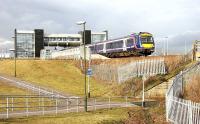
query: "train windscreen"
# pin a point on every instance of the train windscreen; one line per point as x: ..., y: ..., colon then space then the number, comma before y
x: 148, y: 39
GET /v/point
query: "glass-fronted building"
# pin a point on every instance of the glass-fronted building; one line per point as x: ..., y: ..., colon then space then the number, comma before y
x: 29, y: 43
x: 25, y: 44
x: 98, y: 36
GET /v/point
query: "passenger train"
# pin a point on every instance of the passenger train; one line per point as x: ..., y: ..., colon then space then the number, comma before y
x: 135, y: 44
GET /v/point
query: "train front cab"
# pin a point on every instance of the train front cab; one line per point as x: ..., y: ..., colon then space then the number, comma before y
x: 147, y: 43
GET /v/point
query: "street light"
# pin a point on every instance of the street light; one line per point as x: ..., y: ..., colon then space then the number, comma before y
x: 83, y: 23
x: 15, y: 50
x: 143, y: 81
x: 166, y: 49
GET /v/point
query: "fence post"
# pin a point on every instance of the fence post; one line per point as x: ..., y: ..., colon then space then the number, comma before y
x: 7, y: 107
x: 126, y: 102
x: 182, y: 81
x: 12, y: 104
x: 43, y: 105
x: 109, y: 102
x: 67, y: 105
x: 39, y: 98
x: 27, y: 106
x: 166, y: 104
x: 56, y: 106
x: 39, y: 91
x: 95, y: 104
x: 77, y: 105
x: 190, y: 112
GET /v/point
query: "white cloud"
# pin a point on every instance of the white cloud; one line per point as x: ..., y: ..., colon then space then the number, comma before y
x: 120, y: 17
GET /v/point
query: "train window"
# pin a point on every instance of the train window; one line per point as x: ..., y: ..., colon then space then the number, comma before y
x: 113, y: 45
x: 147, y: 39
x: 99, y: 47
x: 109, y: 46
x: 91, y: 48
x: 118, y: 44
x: 129, y: 42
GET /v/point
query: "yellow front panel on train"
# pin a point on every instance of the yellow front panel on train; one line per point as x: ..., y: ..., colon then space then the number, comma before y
x: 147, y: 45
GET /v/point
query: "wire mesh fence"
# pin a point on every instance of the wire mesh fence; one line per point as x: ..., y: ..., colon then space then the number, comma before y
x: 124, y: 72
x: 178, y: 110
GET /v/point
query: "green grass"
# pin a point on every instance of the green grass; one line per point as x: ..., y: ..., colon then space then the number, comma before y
x: 100, y: 116
x: 61, y: 75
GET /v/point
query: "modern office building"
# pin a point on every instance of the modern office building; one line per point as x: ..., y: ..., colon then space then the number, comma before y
x: 30, y: 43
x: 98, y: 36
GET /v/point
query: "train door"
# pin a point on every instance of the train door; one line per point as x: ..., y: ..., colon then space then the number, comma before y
x: 104, y: 48
x: 124, y: 44
x: 138, y: 41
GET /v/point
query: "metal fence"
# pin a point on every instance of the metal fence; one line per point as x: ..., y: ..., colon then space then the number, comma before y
x: 17, y: 106
x: 178, y: 110
x: 124, y: 72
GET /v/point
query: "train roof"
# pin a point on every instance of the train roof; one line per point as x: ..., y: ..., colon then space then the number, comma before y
x: 132, y: 34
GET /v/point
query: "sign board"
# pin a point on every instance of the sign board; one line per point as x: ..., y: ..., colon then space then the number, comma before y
x: 89, y: 71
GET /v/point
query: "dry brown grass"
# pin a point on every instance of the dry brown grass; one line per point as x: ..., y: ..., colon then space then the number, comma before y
x: 7, y: 89
x: 192, y: 91
x: 60, y: 75
x: 152, y: 115
x: 172, y: 62
x: 118, y: 61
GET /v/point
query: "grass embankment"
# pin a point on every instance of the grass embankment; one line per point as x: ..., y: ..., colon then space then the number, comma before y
x: 151, y: 115
x: 125, y: 60
x: 174, y: 64
x: 113, y: 116
x: 6, y: 89
x: 61, y: 75
x: 192, y: 91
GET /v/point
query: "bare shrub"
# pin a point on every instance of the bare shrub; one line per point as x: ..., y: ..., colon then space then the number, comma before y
x: 192, y: 91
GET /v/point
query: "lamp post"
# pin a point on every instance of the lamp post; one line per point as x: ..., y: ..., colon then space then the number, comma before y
x: 83, y: 23
x: 15, y: 51
x: 143, y: 81
x: 166, y: 46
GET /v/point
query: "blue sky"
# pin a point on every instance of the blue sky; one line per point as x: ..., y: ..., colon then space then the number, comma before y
x: 176, y: 19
